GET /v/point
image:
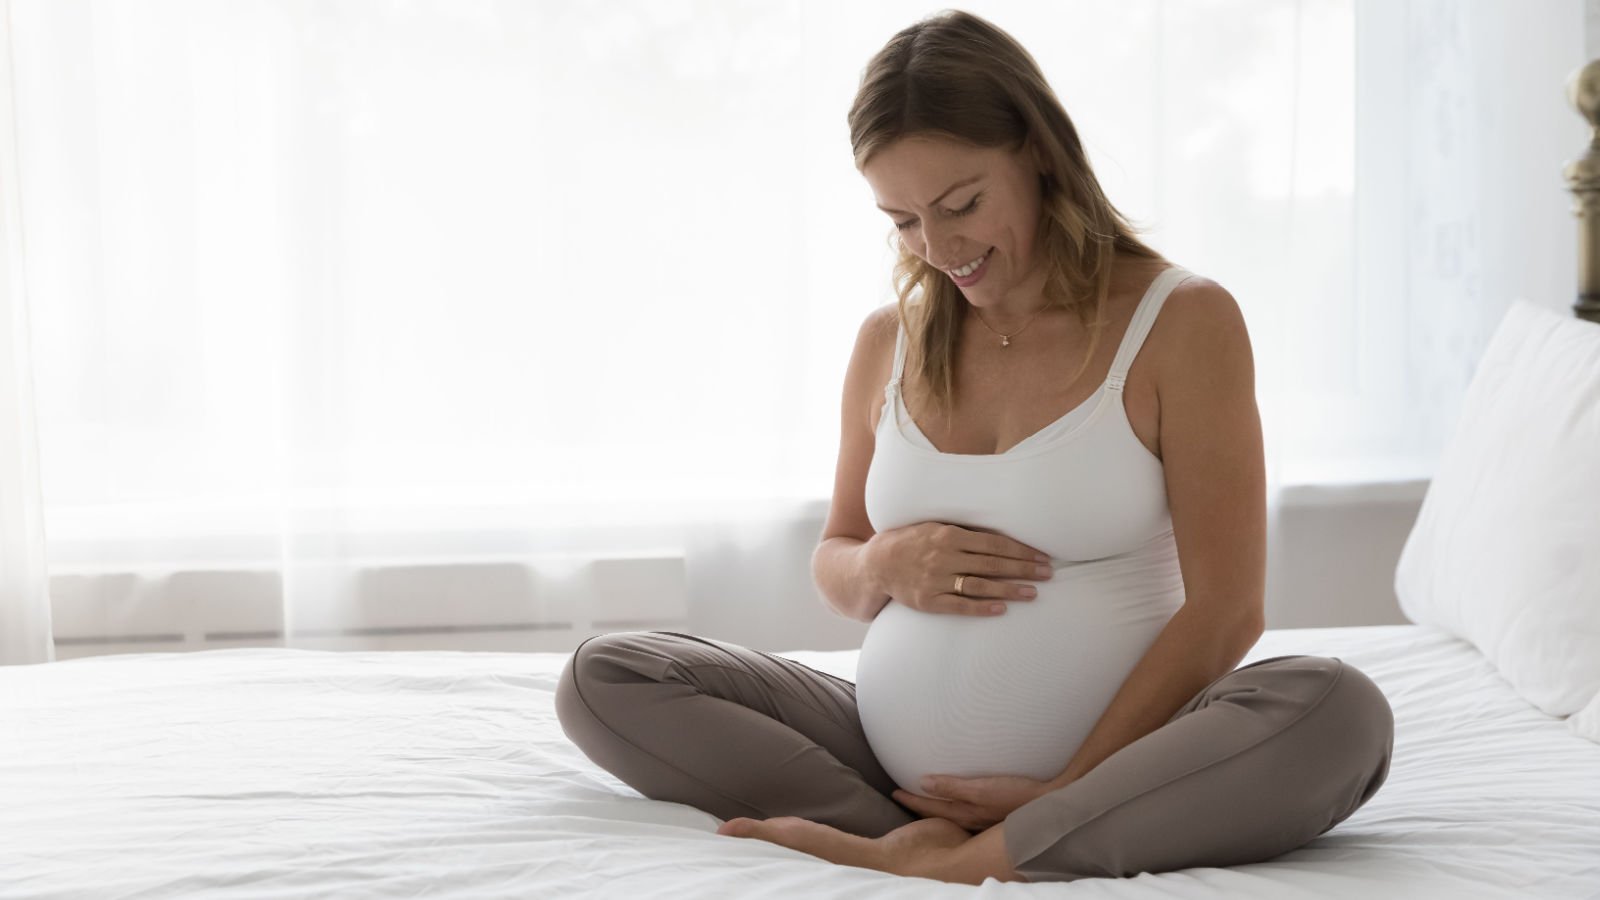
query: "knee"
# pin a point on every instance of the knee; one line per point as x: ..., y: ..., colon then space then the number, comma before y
x: 1328, y: 682
x: 1359, y: 708
x: 580, y: 690
x: 1334, y: 700
x: 1352, y: 733
x: 1346, y: 719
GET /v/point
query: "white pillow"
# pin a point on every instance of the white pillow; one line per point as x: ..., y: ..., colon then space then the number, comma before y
x: 1586, y: 722
x: 1505, y: 552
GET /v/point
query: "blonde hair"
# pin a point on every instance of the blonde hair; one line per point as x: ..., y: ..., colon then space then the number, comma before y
x: 956, y: 76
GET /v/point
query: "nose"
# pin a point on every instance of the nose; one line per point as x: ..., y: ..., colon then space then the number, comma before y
x: 939, y: 249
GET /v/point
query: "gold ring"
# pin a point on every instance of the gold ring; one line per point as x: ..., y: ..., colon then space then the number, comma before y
x: 959, y: 580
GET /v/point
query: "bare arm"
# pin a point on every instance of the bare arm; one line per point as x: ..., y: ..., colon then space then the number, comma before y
x: 1211, y: 450
x: 838, y: 566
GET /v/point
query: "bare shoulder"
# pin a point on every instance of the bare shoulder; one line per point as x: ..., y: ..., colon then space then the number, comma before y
x: 1201, y: 331
x: 881, y: 324
x: 1199, y: 302
x: 871, y: 361
x: 875, y: 342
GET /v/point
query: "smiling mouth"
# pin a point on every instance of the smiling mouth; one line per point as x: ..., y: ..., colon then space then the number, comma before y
x: 972, y: 267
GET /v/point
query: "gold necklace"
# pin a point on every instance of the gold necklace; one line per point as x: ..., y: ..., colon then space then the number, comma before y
x: 1005, y: 339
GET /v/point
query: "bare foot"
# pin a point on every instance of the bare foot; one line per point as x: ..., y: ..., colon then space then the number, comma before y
x: 815, y: 838
x: 916, y: 848
x: 907, y: 850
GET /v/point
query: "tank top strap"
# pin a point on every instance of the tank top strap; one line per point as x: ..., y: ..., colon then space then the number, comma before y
x: 1144, y: 317
x: 899, y: 357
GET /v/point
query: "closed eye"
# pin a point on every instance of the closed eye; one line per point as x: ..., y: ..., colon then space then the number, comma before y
x: 966, y: 211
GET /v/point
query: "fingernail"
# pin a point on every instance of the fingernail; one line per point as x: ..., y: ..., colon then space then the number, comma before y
x: 927, y: 784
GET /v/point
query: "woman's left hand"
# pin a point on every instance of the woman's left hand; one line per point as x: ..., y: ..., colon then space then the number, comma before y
x: 973, y: 803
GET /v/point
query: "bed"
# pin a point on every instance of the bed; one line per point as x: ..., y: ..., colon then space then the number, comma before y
x: 280, y: 772
x: 274, y: 772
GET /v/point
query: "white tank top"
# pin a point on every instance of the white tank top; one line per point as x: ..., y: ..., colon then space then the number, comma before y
x: 1017, y: 693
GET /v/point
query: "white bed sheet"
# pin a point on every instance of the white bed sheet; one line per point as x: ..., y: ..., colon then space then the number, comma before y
x: 297, y: 773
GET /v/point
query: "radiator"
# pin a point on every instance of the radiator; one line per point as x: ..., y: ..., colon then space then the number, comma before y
x: 539, y: 604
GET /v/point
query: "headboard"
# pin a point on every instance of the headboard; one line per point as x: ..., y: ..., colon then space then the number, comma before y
x: 1583, y: 179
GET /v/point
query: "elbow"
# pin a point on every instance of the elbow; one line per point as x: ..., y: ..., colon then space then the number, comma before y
x: 1254, y: 626
x: 1240, y: 622
x: 1231, y: 634
x: 1249, y: 634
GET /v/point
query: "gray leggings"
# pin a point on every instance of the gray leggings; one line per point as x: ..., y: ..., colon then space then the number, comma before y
x: 1256, y: 764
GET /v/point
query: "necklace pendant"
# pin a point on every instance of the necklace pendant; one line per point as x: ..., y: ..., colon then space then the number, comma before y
x: 1005, y: 341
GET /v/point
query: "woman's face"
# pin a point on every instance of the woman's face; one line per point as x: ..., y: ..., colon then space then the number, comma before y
x: 954, y: 204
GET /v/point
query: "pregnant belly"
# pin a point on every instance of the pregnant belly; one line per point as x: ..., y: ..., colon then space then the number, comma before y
x: 1013, y: 694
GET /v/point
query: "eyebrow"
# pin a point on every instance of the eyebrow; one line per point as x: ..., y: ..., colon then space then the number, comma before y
x: 962, y: 183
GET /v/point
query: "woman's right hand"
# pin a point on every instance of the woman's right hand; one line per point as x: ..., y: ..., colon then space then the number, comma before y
x: 917, y: 565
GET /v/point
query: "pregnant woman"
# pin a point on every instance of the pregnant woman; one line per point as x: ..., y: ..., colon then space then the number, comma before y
x: 1058, y: 600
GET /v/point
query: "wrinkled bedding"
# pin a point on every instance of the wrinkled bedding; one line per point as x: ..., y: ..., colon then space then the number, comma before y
x: 296, y: 773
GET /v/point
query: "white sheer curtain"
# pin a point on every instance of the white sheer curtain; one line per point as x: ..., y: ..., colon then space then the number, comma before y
x: 24, y: 575
x: 358, y: 323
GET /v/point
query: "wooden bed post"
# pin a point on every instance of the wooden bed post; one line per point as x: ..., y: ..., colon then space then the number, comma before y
x: 1583, y: 179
